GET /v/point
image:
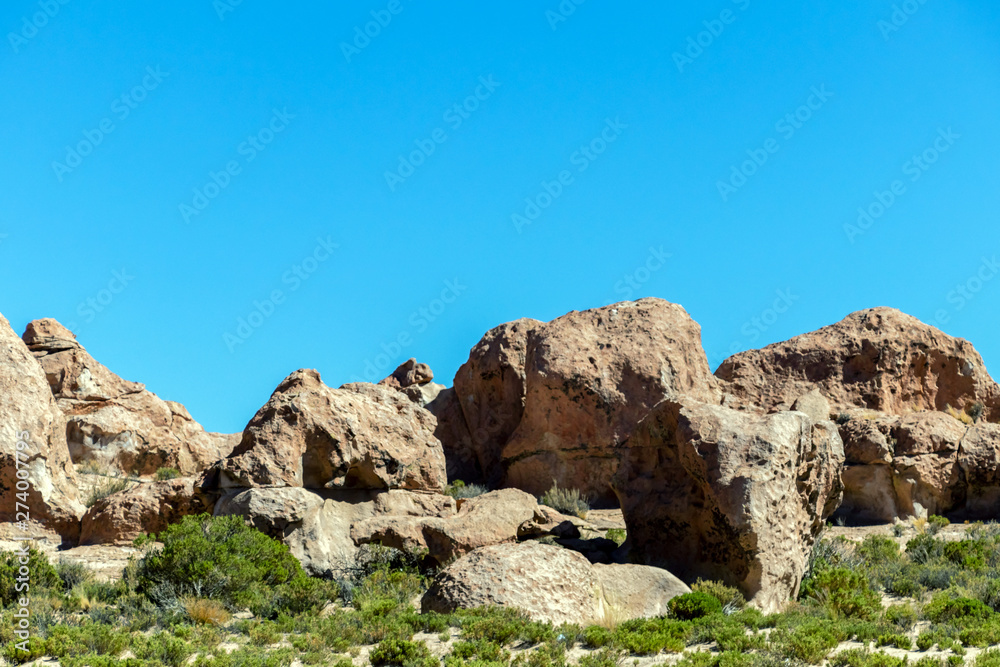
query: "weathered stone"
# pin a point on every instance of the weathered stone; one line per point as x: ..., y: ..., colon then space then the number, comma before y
x: 143, y: 508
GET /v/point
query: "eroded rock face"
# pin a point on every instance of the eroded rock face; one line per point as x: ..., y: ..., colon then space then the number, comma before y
x: 115, y: 422
x: 492, y: 518
x: 408, y: 374
x: 979, y: 460
x: 549, y: 402
x: 29, y: 414
x: 551, y: 584
x: 144, y: 508
x: 359, y: 436
x: 880, y: 359
x: 711, y: 492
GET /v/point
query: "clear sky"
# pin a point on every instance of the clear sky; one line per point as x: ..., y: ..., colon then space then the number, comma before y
x: 169, y: 169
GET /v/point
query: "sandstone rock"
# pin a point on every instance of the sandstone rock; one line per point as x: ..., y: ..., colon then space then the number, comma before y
x: 866, y: 441
x: 316, y: 526
x: 359, y: 436
x: 461, y: 456
x: 408, y: 374
x: 869, y: 494
x: 879, y: 359
x: 144, y: 508
x: 979, y: 459
x: 724, y: 495
x: 423, y: 394
x: 29, y: 414
x: 551, y: 584
x: 491, y: 518
x: 115, y: 422
x: 637, y: 591
x: 419, y: 504
x: 490, y: 388
x: 814, y: 404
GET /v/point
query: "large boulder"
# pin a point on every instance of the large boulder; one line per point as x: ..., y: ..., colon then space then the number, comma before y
x: 359, y: 436
x: 548, y: 402
x: 714, y: 493
x: 316, y: 525
x: 979, y: 459
x: 29, y: 415
x: 551, y: 584
x: 492, y: 518
x: 880, y: 359
x: 117, y: 423
x: 143, y: 508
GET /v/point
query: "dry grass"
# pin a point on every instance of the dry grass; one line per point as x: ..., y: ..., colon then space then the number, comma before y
x: 107, y: 487
x: 960, y: 416
x: 205, y: 612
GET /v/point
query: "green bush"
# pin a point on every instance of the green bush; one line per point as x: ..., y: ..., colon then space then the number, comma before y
x: 897, y: 640
x: 902, y: 615
x: 41, y: 573
x: 844, y: 592
x: 697, y: 604
x: 726, y: 595
x: 970, y: 554
x: 163, y: 474
x: 480, y: 653
x: 566, y: 501
x: 859, y: 657
x: 223, y: 558
x: 459, y: 490
x: 943, y: 608
x: 936, y: 523
x: 402, y: 653
x: 107, y: 487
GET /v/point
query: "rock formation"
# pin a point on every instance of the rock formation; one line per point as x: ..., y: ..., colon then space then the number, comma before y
x: 719, y: 494
x: 33, y: 447
x: 115, y: 422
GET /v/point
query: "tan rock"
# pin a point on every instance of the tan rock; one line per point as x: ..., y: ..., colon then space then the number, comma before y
x: 724, y: 495
x: 144, y: 508
x: 359, y: 436
x: 408, y: 374
x: 813, y: 404
x: 979, y: 459
x: 461, y: 455
x: 552, y: 585
x: 29, y: 414
x: 880, y: 359
x: 492, y: 518
x: 118, y: 423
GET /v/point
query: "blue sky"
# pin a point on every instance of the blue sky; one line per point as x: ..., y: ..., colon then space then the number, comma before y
x: 170, y: 170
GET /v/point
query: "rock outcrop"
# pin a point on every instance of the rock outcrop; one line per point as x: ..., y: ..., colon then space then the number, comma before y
x: 143, y: 508
x: 714, y: 493
x: 33, y: 448
x: 549, y: 402
x: 492, y: 518
x: 360, y: 436
x: 879, y: 359
x: 114, y: 422
x: 551, y: 584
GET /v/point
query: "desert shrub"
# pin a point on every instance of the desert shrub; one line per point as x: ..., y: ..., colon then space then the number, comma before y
x: 936, y: 523
x: 107, y: 487
x: 809, y: 641
x: 500, y: 625
x: 860, y: 657
x: 844, y: 592
x: 606, y: 657
x: 162, y: 648
x: 925, y: 640
x: 480, y: 653
x: 384, y: 590
x: 878, y: 549
x: 970, y: 554
x: 596, y: 636
x: 924, y: 548
x: 205, y: 612
x: 989, y: 658
x: 73, y: 573
x: 649, y: 636
x: 902, y: 615
x: 565, y: 501
x: 617, y: 535
x: 460, y: 490
x: 42, y: 575
x: 163, y: 474
x: 221, y: 558
x: 403, y: 653
x: 728, y: 596
x: 944, y: 608
x: 697, y: 604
